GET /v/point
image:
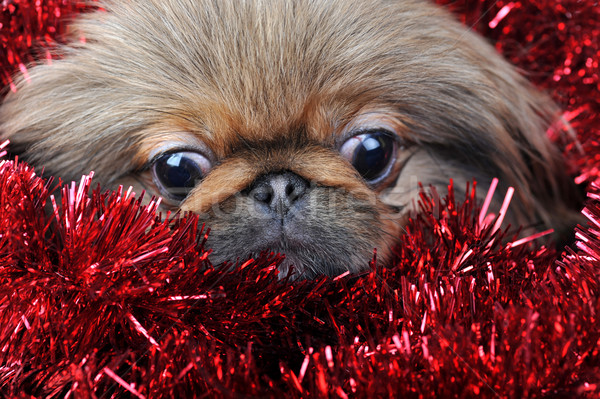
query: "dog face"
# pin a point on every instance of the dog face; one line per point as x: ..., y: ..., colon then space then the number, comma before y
x: 298, y: 126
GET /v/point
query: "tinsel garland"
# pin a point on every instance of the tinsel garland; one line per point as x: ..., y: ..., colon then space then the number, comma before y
x: 100, y: 296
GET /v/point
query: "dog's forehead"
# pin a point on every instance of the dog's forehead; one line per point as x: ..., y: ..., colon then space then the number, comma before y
x: 244, y: 72
x: 253, y: 71
x: 276, y: 112
x: 226, y: 128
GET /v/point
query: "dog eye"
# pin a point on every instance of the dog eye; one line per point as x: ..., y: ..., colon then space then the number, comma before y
x: 177, y: 173
x: 372, y: 154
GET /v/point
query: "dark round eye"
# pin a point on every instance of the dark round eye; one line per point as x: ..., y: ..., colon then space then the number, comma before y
x: 372, y: 153
x: 177, y: 173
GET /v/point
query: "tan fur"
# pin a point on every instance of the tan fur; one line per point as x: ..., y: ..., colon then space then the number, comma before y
x: 267, y: 86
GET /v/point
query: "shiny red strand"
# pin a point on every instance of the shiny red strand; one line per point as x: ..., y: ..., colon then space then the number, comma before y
x: 102, y: 297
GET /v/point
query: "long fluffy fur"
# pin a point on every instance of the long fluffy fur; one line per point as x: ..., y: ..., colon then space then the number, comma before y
x: 260, y: 82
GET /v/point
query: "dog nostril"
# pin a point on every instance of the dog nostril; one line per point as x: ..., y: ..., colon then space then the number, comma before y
x: 289, y: 189
x: 263, y: 194
x: 279, y: 191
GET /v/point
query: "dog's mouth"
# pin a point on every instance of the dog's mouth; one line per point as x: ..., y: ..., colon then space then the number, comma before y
x: 302, y: 256
x: 301, y: 261
x: 293, y: 261
x: 308, y: 249
x: 298, y: 266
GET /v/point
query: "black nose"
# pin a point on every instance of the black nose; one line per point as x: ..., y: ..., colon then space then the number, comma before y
x: 278, y: 191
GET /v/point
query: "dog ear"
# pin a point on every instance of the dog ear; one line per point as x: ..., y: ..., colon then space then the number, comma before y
x: 59, y: 119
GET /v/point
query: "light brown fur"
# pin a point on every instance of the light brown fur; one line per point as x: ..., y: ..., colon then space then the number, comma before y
x: 270, y: 86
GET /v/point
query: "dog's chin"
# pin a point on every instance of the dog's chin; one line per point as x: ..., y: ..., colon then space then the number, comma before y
x: 301, y: 259
x: 297, y: 265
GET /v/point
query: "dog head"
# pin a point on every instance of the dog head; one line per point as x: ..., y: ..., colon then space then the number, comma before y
x: 297, y: 126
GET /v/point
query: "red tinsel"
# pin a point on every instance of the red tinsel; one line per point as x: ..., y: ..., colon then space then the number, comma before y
x: 100, y: 296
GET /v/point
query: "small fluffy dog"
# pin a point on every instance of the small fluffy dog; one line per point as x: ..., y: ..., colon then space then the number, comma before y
x: 299, y: 126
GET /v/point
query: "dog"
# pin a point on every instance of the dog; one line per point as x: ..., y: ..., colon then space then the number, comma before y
x: 295, y: 126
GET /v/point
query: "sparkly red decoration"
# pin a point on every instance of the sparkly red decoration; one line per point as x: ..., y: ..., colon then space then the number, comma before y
x: 101, y: 298
x: 29, y: 30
